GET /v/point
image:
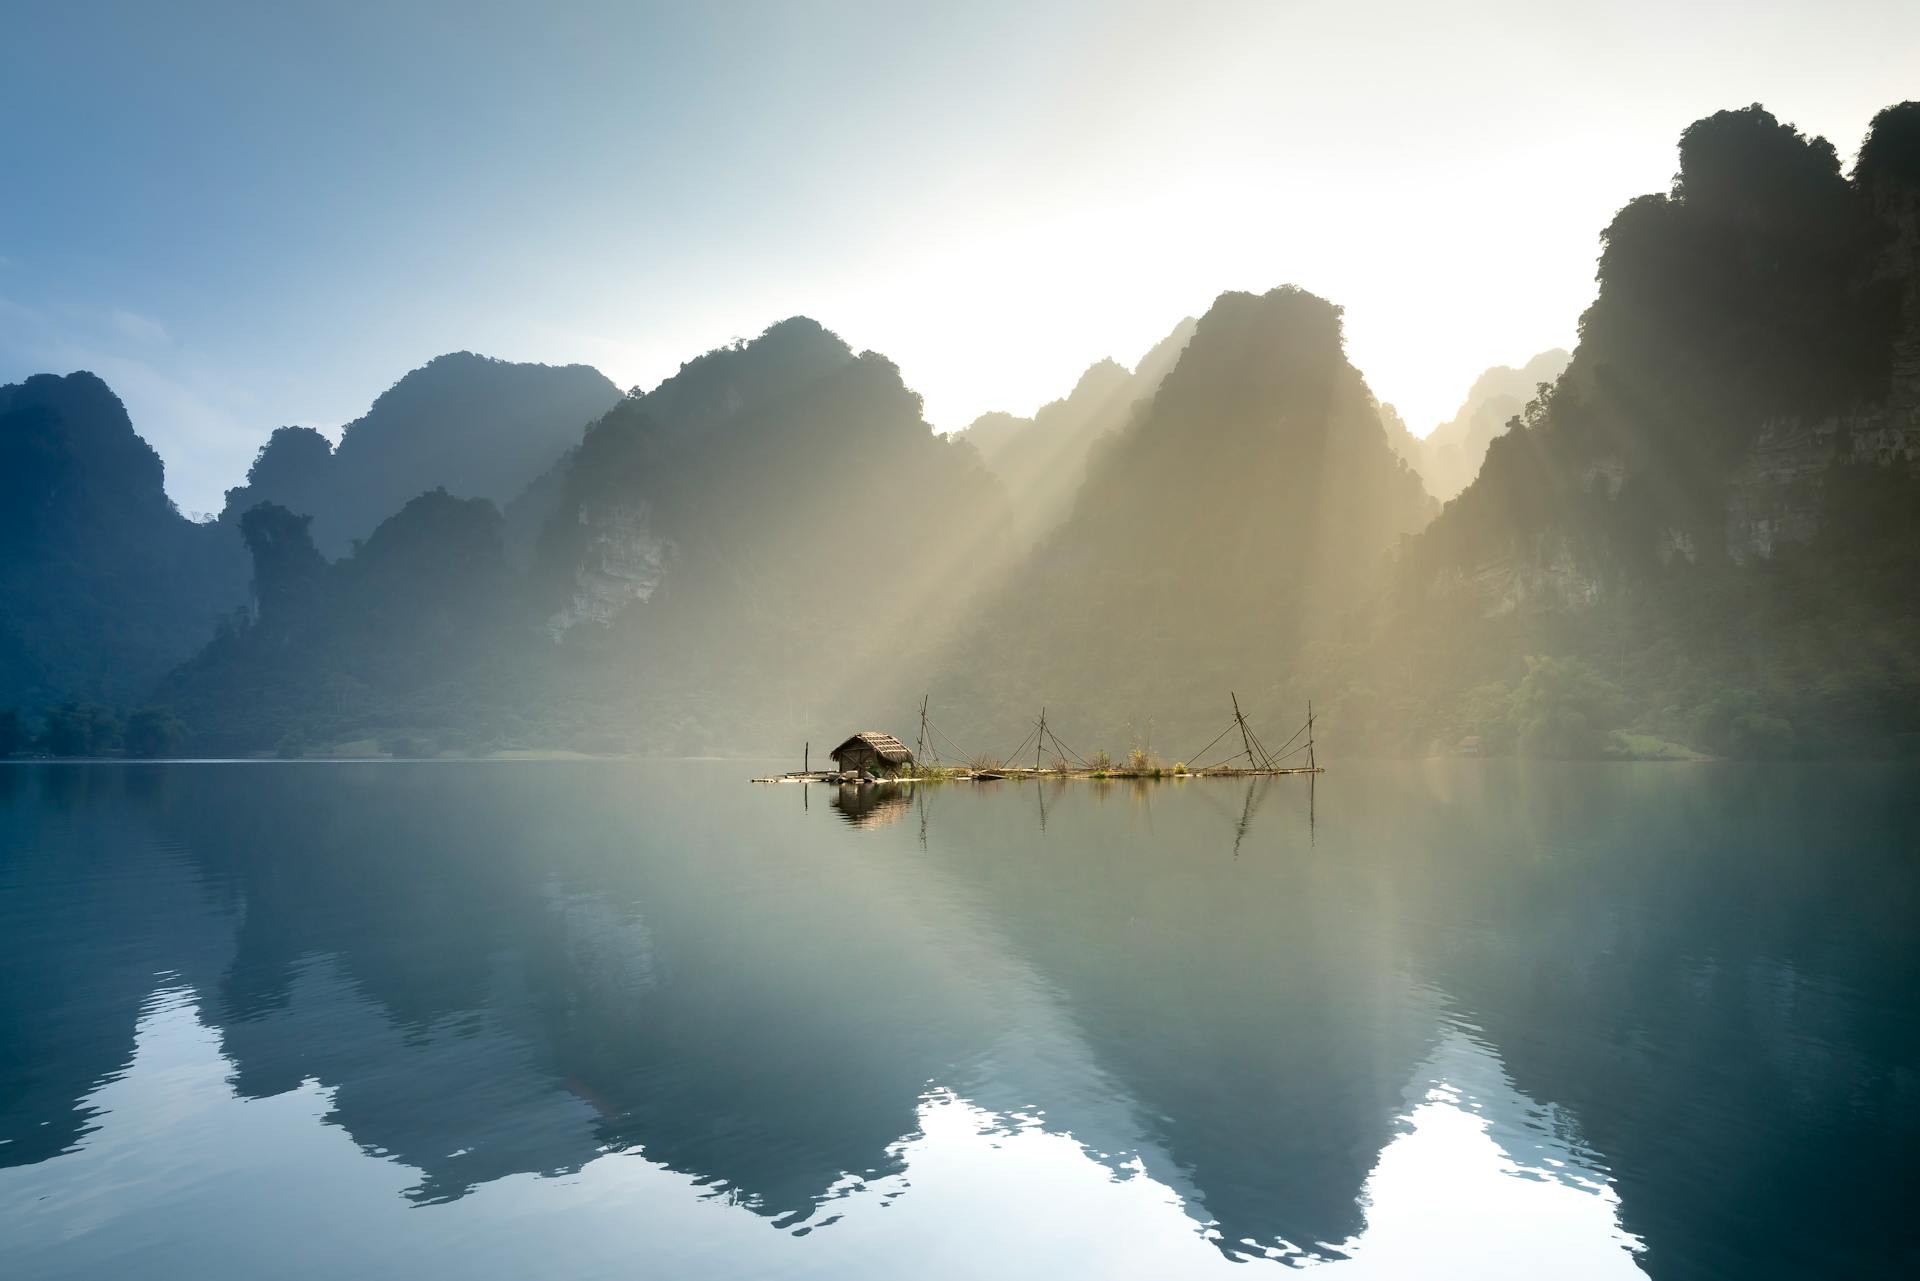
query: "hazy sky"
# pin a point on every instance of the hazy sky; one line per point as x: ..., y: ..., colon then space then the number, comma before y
x: 242, y: 218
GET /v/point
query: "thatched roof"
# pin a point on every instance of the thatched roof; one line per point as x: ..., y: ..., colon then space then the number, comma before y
x: 885, y: 746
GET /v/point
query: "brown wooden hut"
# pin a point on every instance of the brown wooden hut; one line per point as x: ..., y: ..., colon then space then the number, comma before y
x: 872, y: 752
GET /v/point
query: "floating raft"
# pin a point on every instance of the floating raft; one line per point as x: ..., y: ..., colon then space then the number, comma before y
x: 1260, y: 761
x: 1018, y: 774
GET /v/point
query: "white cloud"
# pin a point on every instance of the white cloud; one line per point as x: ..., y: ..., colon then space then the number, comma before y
x: 141, y: 329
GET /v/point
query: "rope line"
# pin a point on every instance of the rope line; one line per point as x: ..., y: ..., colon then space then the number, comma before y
x: 1258, y: 755
x: 1065, y: 750
x: 1197, y: 764
x: 1265, y: 755
x: 1014, y: 755
x: 1209, y: 747
x: 1213, y: 764
x: 964, y: 754
x: 1296, y: 734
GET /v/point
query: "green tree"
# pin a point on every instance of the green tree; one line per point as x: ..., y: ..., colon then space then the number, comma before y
x: 1564, y: 709
x: 1488, y: 713
x: 80, y: 729
x: 154, y: 731
x: 13, y: 732
x: 1738, y: 723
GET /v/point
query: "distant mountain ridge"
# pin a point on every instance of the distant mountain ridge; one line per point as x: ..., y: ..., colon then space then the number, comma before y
x: 474, y: 426
x: 1449, y: 457
x: 1043, y: 460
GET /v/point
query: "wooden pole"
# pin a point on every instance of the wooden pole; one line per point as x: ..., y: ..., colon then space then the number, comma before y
x: 1241, y: 721
x: 806, y: 759
x: 1039, y: 739
x: 1310, y: 760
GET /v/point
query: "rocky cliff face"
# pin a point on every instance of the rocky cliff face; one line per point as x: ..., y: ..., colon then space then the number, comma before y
x: 1707, y: 416
x: 1777, y: 495
x: 622, y: 562
x: 1547, y: 574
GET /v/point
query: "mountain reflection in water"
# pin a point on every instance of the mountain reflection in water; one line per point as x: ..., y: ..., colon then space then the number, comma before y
x: 1421, y: 1020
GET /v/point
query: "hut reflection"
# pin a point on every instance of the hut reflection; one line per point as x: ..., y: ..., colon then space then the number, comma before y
x: 872, y: 804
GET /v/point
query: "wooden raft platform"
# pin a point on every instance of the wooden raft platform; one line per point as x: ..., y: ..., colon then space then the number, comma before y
x: 1020, y: 774
x: 1260, y: 761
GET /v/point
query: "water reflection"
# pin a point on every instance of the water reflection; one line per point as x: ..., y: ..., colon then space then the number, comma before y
x: 872, y: 804
x: 1549, y: 999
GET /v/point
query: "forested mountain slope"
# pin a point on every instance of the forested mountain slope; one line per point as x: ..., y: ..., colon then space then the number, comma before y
x: 739, y: 546
x: 104, y: 585
x: 1708, y: 530
x: 1251, y: 501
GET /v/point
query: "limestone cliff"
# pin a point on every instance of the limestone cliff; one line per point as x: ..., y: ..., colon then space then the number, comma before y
x: 622, y: 563
x: 1718, y: 444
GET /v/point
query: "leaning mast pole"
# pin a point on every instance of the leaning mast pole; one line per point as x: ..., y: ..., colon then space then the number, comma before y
x: 1246, y: 740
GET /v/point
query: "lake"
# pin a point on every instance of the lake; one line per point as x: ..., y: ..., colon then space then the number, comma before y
x: 644, y: 1019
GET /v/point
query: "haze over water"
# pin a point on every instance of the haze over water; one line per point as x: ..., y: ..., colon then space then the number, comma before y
x: 1451, y: 1018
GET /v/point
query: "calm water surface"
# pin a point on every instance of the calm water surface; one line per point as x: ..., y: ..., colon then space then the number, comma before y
x: 1464, y: 1019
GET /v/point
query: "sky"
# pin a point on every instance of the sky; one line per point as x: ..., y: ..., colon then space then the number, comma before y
x: 244, y: 216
